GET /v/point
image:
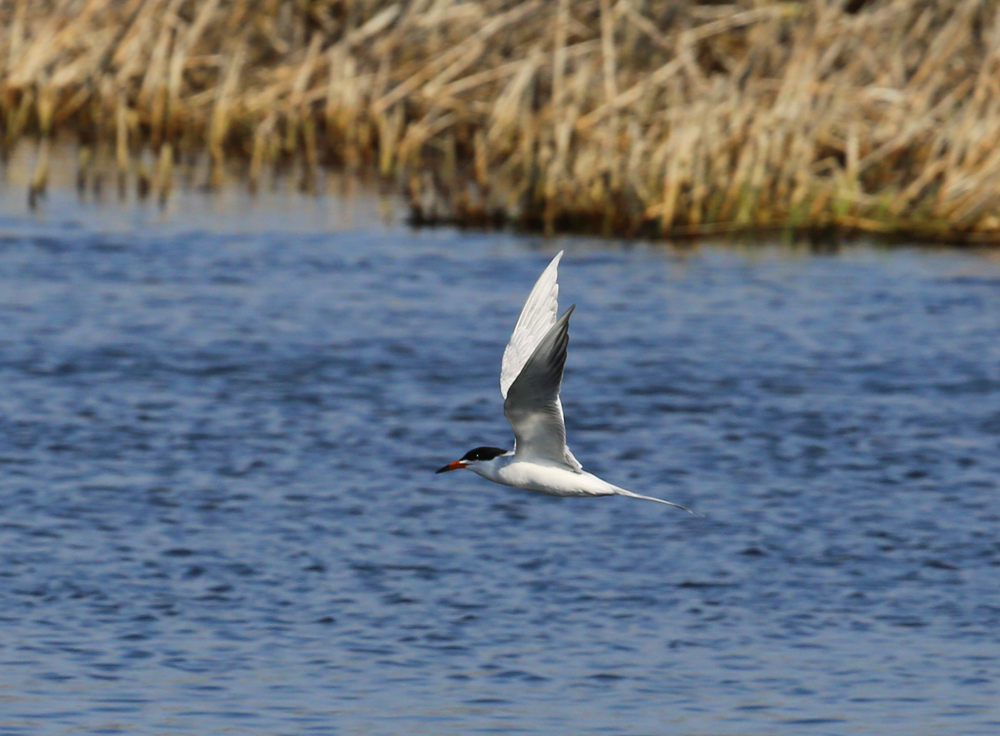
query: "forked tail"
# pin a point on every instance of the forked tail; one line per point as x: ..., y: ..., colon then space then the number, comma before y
x: 623, y: 492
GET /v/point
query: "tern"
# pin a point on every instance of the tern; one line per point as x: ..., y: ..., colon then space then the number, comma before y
x: 530, y: 378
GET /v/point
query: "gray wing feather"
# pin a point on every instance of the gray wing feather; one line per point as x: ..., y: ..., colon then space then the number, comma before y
x: 537, y: 317
x: 532, y: 405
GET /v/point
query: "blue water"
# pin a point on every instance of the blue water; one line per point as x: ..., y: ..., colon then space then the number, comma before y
x: 218, y: 512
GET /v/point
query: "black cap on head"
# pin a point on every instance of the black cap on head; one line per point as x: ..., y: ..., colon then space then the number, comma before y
x: 483, y: 453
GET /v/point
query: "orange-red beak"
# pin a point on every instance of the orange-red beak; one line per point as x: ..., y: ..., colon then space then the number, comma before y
x: 452, y: 466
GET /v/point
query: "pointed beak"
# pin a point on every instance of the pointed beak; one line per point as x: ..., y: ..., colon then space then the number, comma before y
x: 451, y: 466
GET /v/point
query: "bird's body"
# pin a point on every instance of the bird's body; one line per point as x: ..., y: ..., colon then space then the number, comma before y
x: 534, y: 476
x: 530, y: 379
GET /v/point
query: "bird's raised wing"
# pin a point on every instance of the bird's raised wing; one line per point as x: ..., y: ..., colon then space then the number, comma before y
x: 532, y: 404
x: 537, y: 318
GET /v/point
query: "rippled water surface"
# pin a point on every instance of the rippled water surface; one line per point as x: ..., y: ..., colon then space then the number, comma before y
x: 218, y: 512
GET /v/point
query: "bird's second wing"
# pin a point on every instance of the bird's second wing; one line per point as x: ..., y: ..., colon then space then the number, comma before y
x: 537, y: 318
x: 532, y: 405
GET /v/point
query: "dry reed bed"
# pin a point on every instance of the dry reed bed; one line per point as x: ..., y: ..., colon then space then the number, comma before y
x: 607, y: 115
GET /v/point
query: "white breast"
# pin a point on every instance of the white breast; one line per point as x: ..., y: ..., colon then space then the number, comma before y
x: 545, y: 478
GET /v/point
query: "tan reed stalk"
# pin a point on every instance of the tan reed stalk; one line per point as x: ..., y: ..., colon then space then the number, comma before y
x: 222, y: 114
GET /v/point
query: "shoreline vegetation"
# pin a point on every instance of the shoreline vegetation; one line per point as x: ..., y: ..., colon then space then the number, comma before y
x: 624, y: 117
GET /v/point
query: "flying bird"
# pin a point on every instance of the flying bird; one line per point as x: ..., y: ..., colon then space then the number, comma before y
x: 530, y: 378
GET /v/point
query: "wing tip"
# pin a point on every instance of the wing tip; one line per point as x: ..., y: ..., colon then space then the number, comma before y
x: 554, y: 265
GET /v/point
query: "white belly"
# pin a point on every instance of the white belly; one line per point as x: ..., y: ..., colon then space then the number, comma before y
x: 547, y: 479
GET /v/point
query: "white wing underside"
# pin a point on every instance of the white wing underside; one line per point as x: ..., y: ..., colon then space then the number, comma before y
x: 533, y: 407
x: 537, y: 317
